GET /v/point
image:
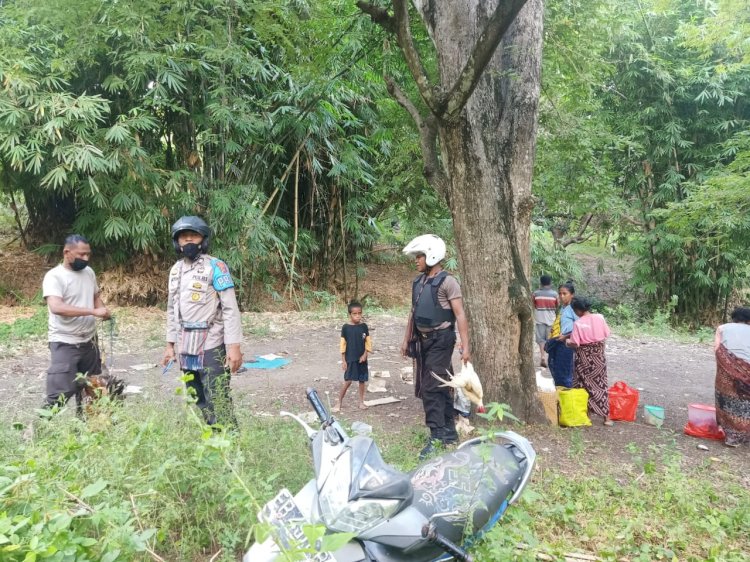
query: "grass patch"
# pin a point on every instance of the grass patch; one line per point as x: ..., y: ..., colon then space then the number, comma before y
x: 24, y: 328
x: 147, y: 478
x: 151, y: 477
x: 649, y: 507
x: 626, y: 321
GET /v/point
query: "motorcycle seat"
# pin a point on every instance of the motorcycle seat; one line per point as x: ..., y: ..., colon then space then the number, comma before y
x: 474, y: 483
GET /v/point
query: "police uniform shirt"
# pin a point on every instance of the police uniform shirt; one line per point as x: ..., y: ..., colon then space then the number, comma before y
x: 203, y: 291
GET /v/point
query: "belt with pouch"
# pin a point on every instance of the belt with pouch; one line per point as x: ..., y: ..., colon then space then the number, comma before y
x: 433, y: 333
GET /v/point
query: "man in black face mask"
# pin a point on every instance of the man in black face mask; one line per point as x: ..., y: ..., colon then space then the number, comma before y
x: 204, y: 327
x: 74, y: 303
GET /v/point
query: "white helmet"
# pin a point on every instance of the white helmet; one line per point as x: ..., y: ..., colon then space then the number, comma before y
x: 430, y: 245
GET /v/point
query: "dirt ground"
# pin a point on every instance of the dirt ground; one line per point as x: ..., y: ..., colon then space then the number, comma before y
x: 667, y: 374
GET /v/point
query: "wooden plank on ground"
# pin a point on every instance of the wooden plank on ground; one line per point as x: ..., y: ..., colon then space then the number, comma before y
x: 381, y: 401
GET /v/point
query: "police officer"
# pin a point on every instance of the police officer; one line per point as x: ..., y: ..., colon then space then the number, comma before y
x: 203, y: 320
x: 437, y: 309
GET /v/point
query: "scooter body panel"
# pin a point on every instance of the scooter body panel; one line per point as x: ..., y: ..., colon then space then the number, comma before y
x: 403, y: 531
x: 457, y: 496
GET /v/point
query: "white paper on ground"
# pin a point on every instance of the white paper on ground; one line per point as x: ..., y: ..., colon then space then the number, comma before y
x: 143, y: 366
x: 381, y: 401
x: 376, y: 385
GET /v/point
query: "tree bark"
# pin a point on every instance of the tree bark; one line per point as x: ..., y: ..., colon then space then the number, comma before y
x: 482, y: 123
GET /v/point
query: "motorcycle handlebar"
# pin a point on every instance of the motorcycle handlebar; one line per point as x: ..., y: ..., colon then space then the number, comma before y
x: 317, y: 405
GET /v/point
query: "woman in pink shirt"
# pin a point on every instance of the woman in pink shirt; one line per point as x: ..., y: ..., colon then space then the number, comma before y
x: 587, y: 337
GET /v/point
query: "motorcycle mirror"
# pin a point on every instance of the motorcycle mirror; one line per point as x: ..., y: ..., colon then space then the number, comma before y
x: 309, y: 430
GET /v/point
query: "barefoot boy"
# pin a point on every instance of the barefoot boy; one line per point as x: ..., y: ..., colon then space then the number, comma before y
x: 355, y: 345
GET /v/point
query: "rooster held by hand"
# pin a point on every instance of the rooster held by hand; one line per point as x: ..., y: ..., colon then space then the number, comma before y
x: 468, y: 381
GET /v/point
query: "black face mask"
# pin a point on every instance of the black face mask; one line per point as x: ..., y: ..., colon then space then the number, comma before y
x: 191, y: 251
x: 79, y: 264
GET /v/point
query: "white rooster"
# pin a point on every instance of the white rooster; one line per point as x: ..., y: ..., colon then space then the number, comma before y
x: 468, y: 381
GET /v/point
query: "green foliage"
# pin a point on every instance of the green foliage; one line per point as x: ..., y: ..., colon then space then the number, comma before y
x: 23, y: 328
x: 548, y: 259
x: 642, y: 137
x: 573, y: 173
x: 147, y: 477
x: 673, y: 149
x: 139, y: 478
x: 497, y: 412
x: 656, y: 509
x: 124, y: 116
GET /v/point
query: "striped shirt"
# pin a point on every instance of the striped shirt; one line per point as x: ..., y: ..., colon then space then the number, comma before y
x: 545, y: 304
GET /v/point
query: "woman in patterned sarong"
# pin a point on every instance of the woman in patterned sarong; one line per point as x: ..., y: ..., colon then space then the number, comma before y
x: 732, y: 346
x: 587, y: 337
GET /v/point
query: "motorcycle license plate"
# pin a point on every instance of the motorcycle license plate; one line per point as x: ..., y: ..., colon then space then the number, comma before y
x: 286, y: 518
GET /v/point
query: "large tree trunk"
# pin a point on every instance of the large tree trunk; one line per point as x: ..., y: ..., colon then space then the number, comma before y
x: 481, y: 119
x: 488, y: 155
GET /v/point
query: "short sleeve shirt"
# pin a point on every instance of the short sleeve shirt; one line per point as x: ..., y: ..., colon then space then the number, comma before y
x: 545, y: 306
x: 355, y: 337
x: 736, y: 338
x: 590, y: 328
x: 75, y: 288
x: 449, y: 290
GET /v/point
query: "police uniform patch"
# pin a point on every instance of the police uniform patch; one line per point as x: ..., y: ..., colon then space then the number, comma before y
x: 222, y: 282
x: 222, y: 278
x: 195, y: 297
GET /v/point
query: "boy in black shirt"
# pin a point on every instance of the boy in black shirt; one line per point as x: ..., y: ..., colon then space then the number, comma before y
x: 355, y: 345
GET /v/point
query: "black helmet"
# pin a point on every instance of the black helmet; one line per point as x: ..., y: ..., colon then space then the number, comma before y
x: 196, y: 224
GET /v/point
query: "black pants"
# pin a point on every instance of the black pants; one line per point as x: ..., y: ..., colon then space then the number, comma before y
x: 211, y: 386
x: 437, y: 352
x: 67, y: 360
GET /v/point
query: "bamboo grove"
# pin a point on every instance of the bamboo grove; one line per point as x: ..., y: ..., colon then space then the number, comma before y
x: 270, y: 118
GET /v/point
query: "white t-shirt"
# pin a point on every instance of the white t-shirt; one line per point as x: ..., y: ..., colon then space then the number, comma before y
x: 75, y: 288
x: 736, y: 338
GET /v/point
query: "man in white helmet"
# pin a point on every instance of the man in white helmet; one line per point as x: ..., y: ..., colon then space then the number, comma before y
x: 437, y: 309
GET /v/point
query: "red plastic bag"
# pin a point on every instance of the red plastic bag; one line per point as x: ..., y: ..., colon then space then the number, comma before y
x: 623, y: 402
x: 705, y: 431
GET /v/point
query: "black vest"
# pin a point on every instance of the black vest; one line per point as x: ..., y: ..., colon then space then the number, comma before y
x: 427, y: 310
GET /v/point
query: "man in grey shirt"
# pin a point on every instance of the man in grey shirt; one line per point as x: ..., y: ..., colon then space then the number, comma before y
x: 74, y: 303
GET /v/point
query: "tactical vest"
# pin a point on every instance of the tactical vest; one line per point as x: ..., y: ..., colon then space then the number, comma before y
x: 427, y: 311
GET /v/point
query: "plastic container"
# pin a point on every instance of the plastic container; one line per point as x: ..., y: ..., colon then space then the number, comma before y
x: 702, y: 415
x: 361, y: 428
x: 653, y: 415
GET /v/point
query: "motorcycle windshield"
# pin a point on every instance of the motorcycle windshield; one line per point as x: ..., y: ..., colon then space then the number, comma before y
x: 372, y: 477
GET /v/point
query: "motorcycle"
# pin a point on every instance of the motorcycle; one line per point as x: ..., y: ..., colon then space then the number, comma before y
x: 432, y: 514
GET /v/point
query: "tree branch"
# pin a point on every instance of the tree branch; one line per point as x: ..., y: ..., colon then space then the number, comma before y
x: 580, y: 236
x: 433, y: 169
x: 400, y: 26
x: 493, y: 33
x: 413, y: 60
x: 378, y: 15
x: 398, y: 94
